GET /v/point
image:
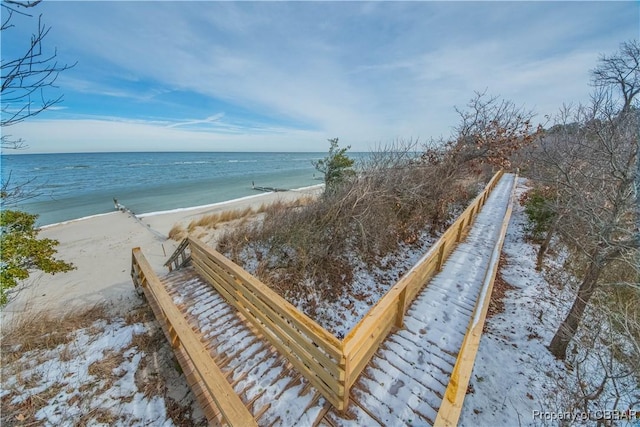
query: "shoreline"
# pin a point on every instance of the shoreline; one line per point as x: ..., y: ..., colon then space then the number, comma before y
x: 100, y: 247
x: 180, y: 210
x: 213, y: 205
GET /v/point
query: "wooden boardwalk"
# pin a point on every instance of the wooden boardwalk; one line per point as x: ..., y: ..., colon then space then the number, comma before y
x: 405, y: 382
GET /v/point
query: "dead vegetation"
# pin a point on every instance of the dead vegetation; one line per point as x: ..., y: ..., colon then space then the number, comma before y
x: 43, y: 331
x: 401, y: 194
x: 500, y: 288
x: 50, y: 339
x: 397, y: 197
x: 199, y: 227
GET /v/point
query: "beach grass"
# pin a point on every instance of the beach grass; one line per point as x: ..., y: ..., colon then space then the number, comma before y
x: 199, y: 226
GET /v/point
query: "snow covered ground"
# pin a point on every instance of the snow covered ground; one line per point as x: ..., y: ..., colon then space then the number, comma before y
x: 515, y: 380
x: 107, y: 373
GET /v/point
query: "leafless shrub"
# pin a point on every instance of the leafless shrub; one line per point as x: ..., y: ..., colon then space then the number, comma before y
x: 603, y: 362
x: 311, y: 250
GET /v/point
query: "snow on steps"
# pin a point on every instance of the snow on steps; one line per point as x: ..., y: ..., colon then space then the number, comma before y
x: 405, y: 381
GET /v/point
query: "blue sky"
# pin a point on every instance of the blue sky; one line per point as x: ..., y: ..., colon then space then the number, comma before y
x: 286, y: 76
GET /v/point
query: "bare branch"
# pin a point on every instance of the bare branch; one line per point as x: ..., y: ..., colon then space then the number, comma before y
x: 25, y: 78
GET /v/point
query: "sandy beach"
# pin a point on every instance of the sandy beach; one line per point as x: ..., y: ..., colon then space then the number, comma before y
x: 100, y: 248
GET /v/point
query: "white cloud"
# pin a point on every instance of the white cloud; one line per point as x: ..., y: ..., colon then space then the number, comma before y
x: 94, y: 135
x: 365, y: 72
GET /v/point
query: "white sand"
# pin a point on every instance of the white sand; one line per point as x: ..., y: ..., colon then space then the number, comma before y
x: 100, y: 248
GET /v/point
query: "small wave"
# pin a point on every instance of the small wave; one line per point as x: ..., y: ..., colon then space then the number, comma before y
x: 200, y: 162
x: 78, y: 167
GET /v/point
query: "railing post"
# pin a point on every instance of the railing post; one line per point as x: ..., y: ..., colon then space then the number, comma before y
x: 347, y: 382
x: 441, y: 254
x: 402, y: 300
x: 460, y: 228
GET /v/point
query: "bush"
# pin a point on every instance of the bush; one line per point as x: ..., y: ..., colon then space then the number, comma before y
x: 538, y: 204
x: 336, y: 167
x: 22, y: 250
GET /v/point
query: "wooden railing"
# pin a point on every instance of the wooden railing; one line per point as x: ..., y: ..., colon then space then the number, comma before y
x: 331, y: 365
x: 365, y: 338
x: 315, y: 353
x: 185, y: 342
x: 451, y: 406
x: 180, y: 256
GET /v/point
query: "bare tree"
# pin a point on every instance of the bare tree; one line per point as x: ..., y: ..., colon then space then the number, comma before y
x: 590, y: 162
x: 491, y: 130
x: 621, y: 69
x: 592, y: 165
x: 25, y: 77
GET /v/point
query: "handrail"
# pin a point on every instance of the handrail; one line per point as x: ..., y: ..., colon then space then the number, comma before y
x: 179, y: 258
x: 315, y: 352
x: 451, y: 406
x: 181, y: 335
x: 364, y: 339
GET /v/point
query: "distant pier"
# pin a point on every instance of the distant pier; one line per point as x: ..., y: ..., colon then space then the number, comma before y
x: 267, y: 189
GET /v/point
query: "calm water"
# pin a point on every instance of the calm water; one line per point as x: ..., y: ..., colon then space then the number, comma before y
x: 70, y: 186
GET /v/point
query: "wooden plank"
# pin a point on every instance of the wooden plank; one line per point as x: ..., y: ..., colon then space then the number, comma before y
x: 422, y: 275
x: 451, y: 406
x: 300, y: 319
x: 229, y: 403
x: 193, y: 379
x: 291, y: 349
x: 310, y: 368
x: 366, y: 352
x: 246, y: 304
x: 402, y: 301
x: 363, y: 330
x: 278, y: 304
x: 441, y: 247
x: 286, y: 331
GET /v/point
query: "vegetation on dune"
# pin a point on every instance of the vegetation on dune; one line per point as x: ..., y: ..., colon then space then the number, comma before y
x: 213, y: 221
x: 400, y: 194
x: 337, y: 167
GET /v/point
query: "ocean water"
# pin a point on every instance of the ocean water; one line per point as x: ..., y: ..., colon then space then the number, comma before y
x: 71, y: 186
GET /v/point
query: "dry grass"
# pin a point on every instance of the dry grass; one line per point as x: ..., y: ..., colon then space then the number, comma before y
x: 200, y: 226
x: 39, y: 333
x: 211, y: 221
x: 177, y: 232
x: 106, y: 367
x: 45, y: 331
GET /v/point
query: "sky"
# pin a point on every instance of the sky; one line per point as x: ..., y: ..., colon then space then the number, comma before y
x: 287, y: 76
